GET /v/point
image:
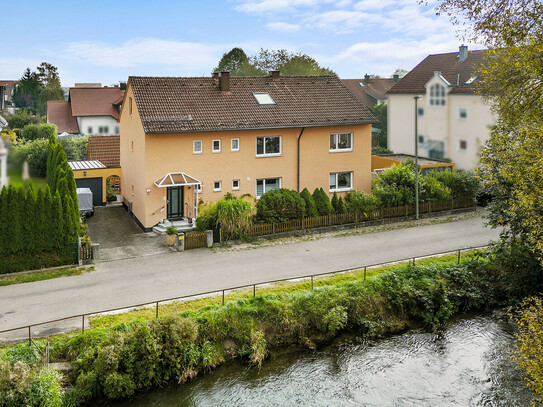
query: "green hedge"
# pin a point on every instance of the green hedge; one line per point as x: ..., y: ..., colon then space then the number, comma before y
x: 280, y: 205
x: 39, y: 227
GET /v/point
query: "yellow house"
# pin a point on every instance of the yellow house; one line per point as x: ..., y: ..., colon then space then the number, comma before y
x: 183, y: 139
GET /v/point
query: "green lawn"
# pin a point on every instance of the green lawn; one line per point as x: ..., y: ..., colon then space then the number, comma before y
x: 42, y: 275
x: 16, y: 178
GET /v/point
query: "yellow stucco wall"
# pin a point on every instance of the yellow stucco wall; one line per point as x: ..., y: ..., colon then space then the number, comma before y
x: 103, y: 173
x: 155, y: 155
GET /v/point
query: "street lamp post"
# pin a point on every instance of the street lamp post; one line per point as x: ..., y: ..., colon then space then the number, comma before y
x: 416, y: 157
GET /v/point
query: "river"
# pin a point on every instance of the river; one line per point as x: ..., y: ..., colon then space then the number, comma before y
x: 468, y: 364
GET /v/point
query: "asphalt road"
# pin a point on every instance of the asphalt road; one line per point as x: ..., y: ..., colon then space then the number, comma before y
x: 132, y: 281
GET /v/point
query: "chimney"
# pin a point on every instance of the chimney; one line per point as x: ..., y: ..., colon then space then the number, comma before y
x: 275, y: 74
x: 396, y: 78
x: 366, y: 78
x: 462, y: 53
x: 224, y: 81
x: 215, y: 75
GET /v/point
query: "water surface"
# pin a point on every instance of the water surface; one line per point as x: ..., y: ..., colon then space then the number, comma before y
x: 468, y: 364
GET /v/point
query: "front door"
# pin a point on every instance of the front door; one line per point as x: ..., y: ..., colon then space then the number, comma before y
x: 175, y: 202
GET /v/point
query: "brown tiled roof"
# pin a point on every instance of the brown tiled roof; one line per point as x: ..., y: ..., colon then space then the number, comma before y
x: 371, y: 92
x: 456, y: 73
x: 59, y: 113
x: 95, y: 101
x: 105, y: 149
x: 173, y: 105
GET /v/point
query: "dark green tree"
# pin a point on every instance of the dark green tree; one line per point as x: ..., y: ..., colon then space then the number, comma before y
x: 237, y: 62
x: 322, y: 202
x: 334, y: 202
x: 380, y: 113
x: 57, y: 222
x: 288, y: 63
x: 310, y: 207
x: 280, y: 205
x: 341, y: 206
x: 27, y: 92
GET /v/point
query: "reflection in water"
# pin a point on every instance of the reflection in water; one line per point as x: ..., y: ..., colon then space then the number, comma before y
x: 466, y: 365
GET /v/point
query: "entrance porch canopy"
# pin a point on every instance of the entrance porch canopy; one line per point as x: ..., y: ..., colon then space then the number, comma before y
x: 176, y: 179
x: 180, y: 179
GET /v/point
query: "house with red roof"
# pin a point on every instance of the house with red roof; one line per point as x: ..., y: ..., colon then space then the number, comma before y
x: 453, y: 121
x: 88, y: 110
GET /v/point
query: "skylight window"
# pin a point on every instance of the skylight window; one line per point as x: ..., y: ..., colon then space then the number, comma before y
x: 471, y: 80
x: 263, y: 98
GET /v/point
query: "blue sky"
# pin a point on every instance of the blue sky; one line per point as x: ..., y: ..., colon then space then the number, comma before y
x: 106, y: 41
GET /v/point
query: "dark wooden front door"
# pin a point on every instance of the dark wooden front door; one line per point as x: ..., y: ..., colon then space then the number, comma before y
x: 175, y: 202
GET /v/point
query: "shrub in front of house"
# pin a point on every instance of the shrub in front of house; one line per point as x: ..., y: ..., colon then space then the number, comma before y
x: 310, y: 207
x: 233, y: 215
x: 280, y: 205
x: 324, y: 207
x: 356, y: 201
x: 463, y: 184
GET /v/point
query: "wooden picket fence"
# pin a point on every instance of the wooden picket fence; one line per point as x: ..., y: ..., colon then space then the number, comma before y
x: 262, y: 229
x: 85, y: 252
x: 194, y: 240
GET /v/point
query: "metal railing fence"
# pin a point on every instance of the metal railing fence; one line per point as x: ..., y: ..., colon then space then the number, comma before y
x: 156, y: 303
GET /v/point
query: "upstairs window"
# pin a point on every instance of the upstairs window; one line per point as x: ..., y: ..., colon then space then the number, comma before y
x: 341, y: 142
x: 197, y: 146
x: 216, y: 146
x: 234, y: 144
x: 437, y: 95
x: 268, y: 146
x: 462, y: 113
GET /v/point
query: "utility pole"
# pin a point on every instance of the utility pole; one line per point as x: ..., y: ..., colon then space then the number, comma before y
x: 417, y: 157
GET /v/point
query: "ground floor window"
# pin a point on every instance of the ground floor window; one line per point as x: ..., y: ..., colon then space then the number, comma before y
x: 267, y: 184
x: 216, y: 186
x: 341, y: 181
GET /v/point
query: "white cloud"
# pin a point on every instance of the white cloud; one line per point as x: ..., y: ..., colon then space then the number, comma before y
x: 339, y: 21
x: 366, y: 5
x: 283, y: 27
x: 146, y: 51
x: 273, y: 6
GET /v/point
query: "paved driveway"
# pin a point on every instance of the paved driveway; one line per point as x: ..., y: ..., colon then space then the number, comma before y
x: 120, y: 237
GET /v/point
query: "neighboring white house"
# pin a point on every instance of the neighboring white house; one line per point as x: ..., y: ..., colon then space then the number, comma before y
x: 89, y: 110
x: 453, y: 122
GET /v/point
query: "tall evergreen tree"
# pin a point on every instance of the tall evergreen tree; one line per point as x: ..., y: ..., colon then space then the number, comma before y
x: 57, y: 222
x: 29, y: 221
x: 4, y: 221
x: 47, y: 220
x: 310, y: 207
x: 324, y: 207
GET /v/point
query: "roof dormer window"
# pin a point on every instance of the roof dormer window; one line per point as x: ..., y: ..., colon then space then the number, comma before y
x: 263, y: 99
x: 437, y: 95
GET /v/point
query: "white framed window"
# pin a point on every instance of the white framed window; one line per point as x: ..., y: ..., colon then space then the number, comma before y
x: 235, y: 184
x: 217, y: 186
x: 89, y: 130
x: 216, y: 146
x: 341, y: 142
x: 267, y: 184
x: 341, y: 181
x: 437, y: 95
x: 462, y: 113
x: 234, y: 144
x: 462, y: 145
x: 268, y: 146
x: 197, y: 146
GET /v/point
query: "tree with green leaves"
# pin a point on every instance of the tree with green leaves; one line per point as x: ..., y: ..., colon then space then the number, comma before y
x: 27, y: 91
x: 237, y: 63
x: 290, y: 64
x: 380, y: 113
x: 511, y: 81
x: 35, y: 89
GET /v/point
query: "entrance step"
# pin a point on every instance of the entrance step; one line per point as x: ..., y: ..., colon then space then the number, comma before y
x: 180, y: 225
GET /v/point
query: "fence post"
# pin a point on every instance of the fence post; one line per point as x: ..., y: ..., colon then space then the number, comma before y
x: 311, y: 283
x: 157, y: 309
x: 83, y: 324
x: 364, y: 273
x: 413, y: 261
x: 222, y: 297
x: 273, y: 227
x: 29, y: 337
x: 96, y: 253
x: 458, y: 256
x: 254, y: 290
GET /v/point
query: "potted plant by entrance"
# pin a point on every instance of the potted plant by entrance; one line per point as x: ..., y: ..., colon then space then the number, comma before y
x: 171, y: 233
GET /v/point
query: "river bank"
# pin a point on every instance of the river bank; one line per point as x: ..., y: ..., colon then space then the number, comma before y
x: 468, y: 362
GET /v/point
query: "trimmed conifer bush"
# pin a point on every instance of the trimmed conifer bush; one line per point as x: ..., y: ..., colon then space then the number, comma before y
x: 280, y: 205
x: 322, y: 202
x: 310, y: 207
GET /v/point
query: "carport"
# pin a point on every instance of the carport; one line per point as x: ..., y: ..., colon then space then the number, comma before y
x: 93, y: 175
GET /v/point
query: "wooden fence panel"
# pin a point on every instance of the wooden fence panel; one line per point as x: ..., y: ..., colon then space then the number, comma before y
x: 194, y: 240
x: 85, y: 252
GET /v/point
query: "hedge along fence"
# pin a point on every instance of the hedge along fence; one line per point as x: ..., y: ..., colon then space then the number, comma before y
x: 39, y: 227
x: 263, y: 229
